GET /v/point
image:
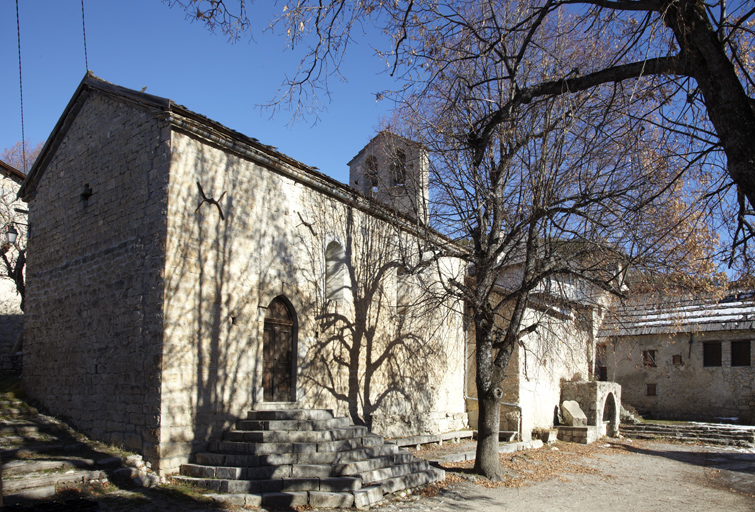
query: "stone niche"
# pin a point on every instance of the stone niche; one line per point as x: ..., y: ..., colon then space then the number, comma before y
x: 601, y: 403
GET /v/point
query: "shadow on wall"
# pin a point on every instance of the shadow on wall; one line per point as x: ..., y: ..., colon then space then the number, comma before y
x: 11, y: 341
x: 378, y: 349
x: 221, y: 259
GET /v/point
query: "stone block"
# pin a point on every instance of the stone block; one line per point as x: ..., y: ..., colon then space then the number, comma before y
x: 284, y: 499
x: 336, y: 484
x: 300, y: 484
x: 310, y: 471
x: 236, y: 500
x: 267, y: 472
x: 368, y: 496
x: 321, y: 499
x: 573, y: 414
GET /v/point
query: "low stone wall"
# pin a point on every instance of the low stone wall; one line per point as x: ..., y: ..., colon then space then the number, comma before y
x: 581, y: 435
x: 393, y: 425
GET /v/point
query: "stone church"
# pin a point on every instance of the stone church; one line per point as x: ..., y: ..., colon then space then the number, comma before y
x: 180, y: 274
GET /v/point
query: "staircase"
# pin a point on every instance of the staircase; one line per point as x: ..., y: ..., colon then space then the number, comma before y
x: 696, y: 432
x: 298, y: 457
x: 40, y: 456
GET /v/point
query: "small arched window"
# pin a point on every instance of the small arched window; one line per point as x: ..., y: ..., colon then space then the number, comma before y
x: 398, y: 168
x: 403, y: 290
x: 371, y: 164
x: 336, y: 272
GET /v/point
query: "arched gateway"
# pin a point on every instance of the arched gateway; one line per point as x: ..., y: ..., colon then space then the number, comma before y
x: 278, y: 352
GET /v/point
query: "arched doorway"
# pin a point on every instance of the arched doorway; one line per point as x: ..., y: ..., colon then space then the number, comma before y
x: 278, y: 352
x: 610, y: 416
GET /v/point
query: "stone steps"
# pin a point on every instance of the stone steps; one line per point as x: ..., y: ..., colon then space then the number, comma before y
x: 710, y: 434
x: 19, y: 483
x: 41, y: 456
x: 299, y: 457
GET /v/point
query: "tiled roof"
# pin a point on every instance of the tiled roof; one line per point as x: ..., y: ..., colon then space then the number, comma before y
x: 12, y: 172
x: 638, y: 317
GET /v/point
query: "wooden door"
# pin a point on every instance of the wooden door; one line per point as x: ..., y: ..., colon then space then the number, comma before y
x: 277, y: 352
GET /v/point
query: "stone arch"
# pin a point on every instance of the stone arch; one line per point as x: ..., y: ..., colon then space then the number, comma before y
x: 611, y: 416
x: 398, y: 168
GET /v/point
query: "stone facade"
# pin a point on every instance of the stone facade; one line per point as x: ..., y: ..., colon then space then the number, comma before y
x: 160, y: 242
x: 657, y: 352
x: 95, y: 266
x: 678, y: 386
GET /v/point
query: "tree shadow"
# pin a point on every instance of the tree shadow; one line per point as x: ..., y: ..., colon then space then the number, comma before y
x: 384, y: 345
x: 742, y: 462
x: 219, y: 271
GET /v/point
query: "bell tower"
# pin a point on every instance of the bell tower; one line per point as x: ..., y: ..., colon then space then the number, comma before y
x: 393, y: 170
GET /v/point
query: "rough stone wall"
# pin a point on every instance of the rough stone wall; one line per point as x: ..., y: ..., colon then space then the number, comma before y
x: 92, y: 344
x: 558, y: 352
x: 364, y: 355
x: 411, y: 197
x: 689, y: 390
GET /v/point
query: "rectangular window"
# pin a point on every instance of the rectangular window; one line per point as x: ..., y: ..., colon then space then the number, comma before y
x: 602, y: 373
x: 712, y: 353
x: 677, y: 359
x: 650, y: 389
x: 648, y: 358
x: 740, y: 353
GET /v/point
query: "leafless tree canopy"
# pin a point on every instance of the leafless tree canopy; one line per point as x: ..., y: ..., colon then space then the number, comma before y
x: 685, y: 65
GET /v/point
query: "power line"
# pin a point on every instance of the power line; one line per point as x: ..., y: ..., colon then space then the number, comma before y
x: 21, y: 88
x: 84, y: 30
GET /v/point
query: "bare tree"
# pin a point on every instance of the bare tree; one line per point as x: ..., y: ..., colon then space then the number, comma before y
x: 689, y: 62
x: 546, y: 213
x: 21, y: 155
x: 14, y: 255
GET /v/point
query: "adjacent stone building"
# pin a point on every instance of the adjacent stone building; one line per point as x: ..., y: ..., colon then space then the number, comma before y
x: 683, y: 359
x: 11, y: 316
x: 556, y: 357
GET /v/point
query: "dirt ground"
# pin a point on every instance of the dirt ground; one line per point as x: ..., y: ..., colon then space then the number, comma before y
x: 620, y: 475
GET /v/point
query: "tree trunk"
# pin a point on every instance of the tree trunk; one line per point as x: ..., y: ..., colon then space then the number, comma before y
x: 489, y: 394
x: 488, y: 428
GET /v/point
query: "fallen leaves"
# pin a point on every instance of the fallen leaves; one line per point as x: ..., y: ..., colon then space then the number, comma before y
x: 523, y: 468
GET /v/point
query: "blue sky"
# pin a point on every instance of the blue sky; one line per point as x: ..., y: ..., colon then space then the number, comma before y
x: 139, y: 43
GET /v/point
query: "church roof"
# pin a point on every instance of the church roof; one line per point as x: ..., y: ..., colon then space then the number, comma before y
x: 393, y: 139
x: 644, y: 316
x: 91, y: 82
x: 185, y: 120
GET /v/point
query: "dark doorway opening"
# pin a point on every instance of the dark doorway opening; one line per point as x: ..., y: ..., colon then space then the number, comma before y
x: 278, y: 349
